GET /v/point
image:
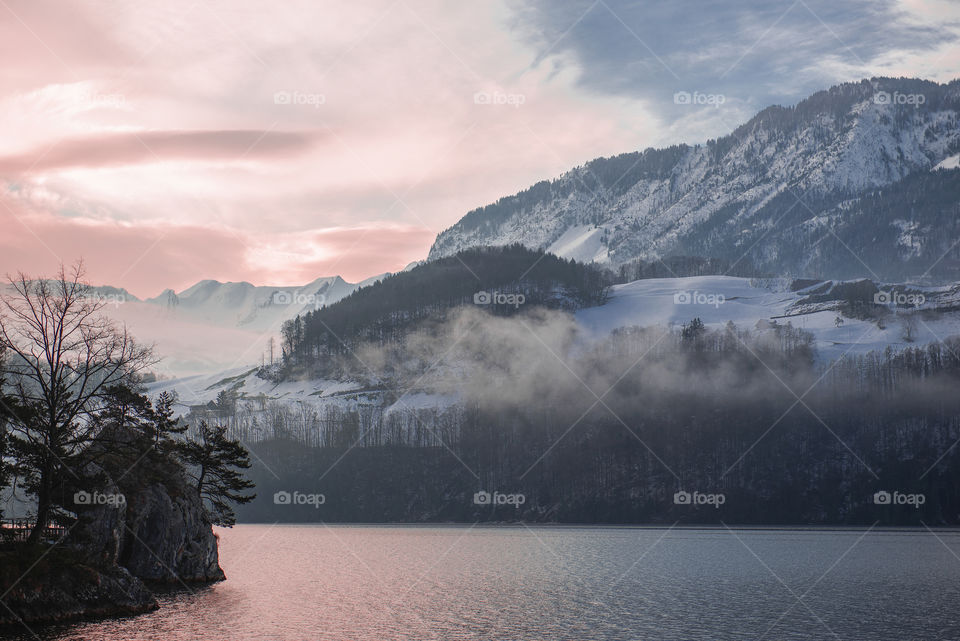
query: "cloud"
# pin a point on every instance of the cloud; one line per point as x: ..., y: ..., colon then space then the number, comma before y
x: 141, y: 120
x: 117, y: 149
x: 147, y: 258
x: 754, y: 53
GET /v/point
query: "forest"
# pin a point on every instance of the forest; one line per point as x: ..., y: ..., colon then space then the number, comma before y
x: 610, y: 431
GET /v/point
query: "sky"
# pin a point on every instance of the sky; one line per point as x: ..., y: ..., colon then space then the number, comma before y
x: 166, y: 142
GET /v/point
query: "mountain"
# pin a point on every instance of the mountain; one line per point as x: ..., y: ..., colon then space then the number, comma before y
x: 254, y: 307
x: 842, y: 185
x: 213, y: 326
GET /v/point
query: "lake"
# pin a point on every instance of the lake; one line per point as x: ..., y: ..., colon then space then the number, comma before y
x: 376, y: 583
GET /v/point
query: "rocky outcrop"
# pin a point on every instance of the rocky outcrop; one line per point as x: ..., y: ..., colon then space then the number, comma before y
x: 159, y: 532
x: 169, y: 538
x: 149, y: 528
x: 56, y: 590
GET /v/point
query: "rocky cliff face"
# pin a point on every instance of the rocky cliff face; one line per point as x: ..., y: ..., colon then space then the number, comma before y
x: 159, y: 532
x: 169, y: 537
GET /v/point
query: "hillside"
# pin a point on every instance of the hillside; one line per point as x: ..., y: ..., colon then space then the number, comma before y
x: 500, y: 280
x: 839, y: 186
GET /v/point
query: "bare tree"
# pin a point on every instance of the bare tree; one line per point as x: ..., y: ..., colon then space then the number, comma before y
x: 63, y: 356
x: 909, y: 327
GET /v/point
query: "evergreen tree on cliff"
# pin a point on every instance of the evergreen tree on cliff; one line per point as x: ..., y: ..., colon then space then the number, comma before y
x: 216, y: 461
x: 64, y: 356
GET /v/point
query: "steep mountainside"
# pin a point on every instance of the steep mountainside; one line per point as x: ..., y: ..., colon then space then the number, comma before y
x: 839, y: 186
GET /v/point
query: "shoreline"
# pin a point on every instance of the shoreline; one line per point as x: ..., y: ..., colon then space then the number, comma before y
x: 623, y: 526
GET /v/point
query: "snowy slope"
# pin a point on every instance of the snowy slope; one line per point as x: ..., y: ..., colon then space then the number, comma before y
x: 645, y: 303
x: 722, y: 198
x: 953, y: 162
x: 665, y: 302
x: 582, y: 243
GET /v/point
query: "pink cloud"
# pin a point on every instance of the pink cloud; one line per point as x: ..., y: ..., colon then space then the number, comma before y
x: 386, y: 147
x: 116, y: 149
x: 149, y: 258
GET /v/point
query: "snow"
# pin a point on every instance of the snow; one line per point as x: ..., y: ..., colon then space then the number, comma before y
x: 214, y: 326
x: 663, y: 302
x: 952, y: 162
x: 647, y: 303
x: 866, y: 149
x: 583, y: 243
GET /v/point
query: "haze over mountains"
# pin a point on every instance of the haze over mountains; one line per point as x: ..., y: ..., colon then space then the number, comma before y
x: 212, y: 326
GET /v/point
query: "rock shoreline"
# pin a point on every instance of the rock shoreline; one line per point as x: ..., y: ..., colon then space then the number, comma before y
x: 159, y: 535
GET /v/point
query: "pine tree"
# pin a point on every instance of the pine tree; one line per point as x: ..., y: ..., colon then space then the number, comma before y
x: 163, y: 424
x: 215, y: 461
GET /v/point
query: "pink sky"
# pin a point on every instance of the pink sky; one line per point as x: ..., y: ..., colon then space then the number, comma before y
x: 169, y: 142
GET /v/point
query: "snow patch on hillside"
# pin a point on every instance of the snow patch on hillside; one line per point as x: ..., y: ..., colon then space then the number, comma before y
x: 582, y: 243
x: 952, y: 162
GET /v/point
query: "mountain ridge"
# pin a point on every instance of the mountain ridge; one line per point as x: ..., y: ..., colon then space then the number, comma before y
x: 785, y: 177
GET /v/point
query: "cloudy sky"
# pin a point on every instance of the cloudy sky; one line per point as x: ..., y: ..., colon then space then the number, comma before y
x: 274, y: 142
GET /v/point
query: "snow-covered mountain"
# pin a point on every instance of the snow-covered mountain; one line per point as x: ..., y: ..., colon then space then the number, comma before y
x: 213, y: 326
x: 840, y: 185
x: 253, y: 307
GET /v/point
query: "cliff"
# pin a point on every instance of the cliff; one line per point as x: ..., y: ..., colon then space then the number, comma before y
x: 151, y: 528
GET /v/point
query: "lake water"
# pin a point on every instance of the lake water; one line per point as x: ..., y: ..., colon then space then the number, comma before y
x: 292, y: 583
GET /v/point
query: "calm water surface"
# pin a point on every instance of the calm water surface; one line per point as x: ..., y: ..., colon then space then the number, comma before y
x: 292, y: 583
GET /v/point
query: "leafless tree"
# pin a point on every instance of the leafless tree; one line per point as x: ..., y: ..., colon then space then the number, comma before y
x: 63, y: 354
